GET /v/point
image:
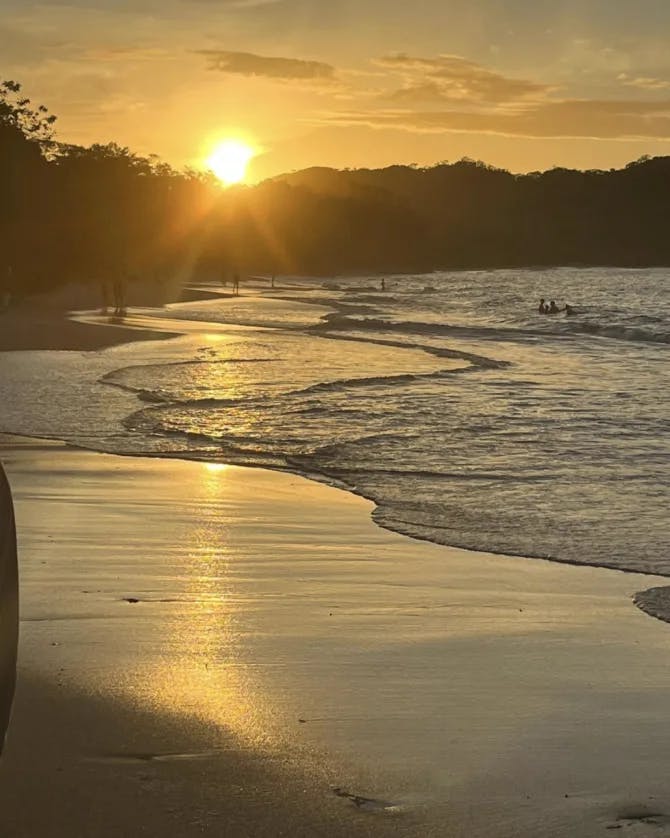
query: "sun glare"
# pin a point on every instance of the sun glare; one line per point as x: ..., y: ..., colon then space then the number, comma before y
x: 229, y: 161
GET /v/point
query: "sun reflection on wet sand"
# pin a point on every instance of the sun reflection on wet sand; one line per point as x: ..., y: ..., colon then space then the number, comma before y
x: 271, y: 609
x: 205, y: 673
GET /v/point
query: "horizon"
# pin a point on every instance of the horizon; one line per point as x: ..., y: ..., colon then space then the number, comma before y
x: 580, y: 87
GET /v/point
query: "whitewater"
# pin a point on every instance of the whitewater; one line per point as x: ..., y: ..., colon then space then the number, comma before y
x: 467, y: 417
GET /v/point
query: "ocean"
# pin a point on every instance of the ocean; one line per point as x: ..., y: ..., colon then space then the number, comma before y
x: 467, y: 417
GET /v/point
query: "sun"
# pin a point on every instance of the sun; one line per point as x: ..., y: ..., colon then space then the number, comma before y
x: 229, y: 161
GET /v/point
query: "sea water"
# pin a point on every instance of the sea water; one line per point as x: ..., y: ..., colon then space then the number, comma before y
x: 466, y: 416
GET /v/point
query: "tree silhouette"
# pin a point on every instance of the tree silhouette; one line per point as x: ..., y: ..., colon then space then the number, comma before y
x: 106, y: 215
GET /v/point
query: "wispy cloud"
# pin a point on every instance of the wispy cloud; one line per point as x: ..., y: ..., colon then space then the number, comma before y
x: 273, y: 67
x: 644, y: 82
x: 452, y: 94
x: 453, y: 78
x: 575, y: 118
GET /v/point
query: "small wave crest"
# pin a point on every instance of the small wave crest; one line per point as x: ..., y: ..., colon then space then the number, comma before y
x: 345, y: 322
x: 632, y: 332
x: 644, y: 329
x: 372, y: 381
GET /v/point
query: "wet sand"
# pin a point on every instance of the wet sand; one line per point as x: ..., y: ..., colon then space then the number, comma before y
x: 216, y: 650
x: 26, y: 329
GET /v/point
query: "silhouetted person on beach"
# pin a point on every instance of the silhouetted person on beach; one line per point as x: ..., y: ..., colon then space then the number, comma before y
x: 383, y: 284
x: 119, y: 290
x: 104, y: 293
x: 236, y: 285
x: 272, y: 281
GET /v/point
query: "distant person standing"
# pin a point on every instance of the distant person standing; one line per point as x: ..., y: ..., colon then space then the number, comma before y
x: 119, y: 289
x: 104, y: 294
x: 236, y: 285
x: 383, y: 284
x: 272, y: 281
x: 9, y: 605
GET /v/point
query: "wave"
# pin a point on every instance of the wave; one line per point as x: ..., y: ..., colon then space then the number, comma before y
x: 622, y: 332
x: 474, y: 360
x: 344, y: 322
x: 635, y: 332
x: 372, y: 381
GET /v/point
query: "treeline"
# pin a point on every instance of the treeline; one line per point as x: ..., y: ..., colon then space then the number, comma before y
x: 103, y: 214
x: 471, y: 215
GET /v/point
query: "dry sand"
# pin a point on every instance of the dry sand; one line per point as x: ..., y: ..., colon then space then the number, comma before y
x: 214, y: 650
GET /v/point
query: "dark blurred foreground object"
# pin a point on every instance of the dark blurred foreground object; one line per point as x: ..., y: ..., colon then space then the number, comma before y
x: 9, y: 605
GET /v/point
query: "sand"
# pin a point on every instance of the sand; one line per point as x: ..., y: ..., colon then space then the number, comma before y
x: 43, y: 328
x: 215, y: 650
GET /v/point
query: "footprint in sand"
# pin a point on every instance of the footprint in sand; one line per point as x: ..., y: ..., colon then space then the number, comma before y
x: 367, y: 804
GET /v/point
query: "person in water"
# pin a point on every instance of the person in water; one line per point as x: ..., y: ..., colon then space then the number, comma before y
x: 552, y: 308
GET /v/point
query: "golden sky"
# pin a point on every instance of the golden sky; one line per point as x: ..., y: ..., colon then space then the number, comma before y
x: 522, y: 84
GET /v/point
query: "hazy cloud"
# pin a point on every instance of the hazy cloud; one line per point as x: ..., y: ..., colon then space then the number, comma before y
x: 575, y: 118
x: 451, y: 77
x: 273, y: 67
x: 452, y: 94
x: 21, y: 47
x: 644, y: 82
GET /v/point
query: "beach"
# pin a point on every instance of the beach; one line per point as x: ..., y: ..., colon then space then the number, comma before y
x: 214, y: 649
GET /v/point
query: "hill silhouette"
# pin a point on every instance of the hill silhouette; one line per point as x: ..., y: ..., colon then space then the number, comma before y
x: 106, y: 215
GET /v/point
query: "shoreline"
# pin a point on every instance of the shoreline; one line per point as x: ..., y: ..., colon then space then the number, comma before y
x: 89, y: 332
x: 227, y: 648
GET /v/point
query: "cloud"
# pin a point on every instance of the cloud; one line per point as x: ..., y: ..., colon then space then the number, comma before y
x: 248, y: 64
x: 21, y: 47
x: 644, y: 82
x: 453, y: 78
x: 452, y: 94
x: 124, y: 54
x: 569, y: 118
